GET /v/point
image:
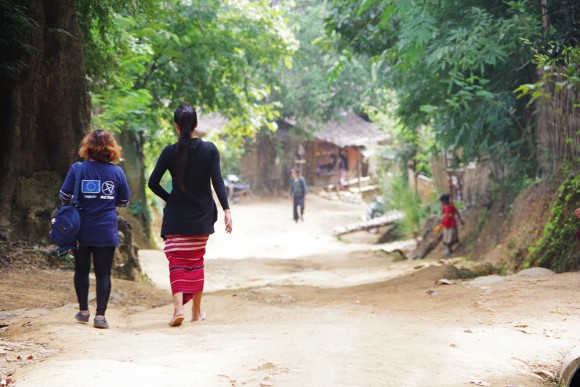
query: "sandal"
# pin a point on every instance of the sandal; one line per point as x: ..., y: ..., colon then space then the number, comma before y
x: 176, y: 320
x: 202, y: 316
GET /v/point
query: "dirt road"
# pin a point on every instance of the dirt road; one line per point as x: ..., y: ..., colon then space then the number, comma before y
x: 290, y: 305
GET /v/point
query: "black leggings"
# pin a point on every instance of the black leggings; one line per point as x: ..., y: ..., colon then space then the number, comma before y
x: 103, y: 261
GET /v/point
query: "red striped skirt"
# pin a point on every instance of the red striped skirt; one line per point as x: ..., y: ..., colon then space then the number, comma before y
x: 185, y: 255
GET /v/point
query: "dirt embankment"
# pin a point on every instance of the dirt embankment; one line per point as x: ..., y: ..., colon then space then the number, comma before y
x: 501, y: 234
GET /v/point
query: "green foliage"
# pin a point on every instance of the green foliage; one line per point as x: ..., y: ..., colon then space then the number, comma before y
x: 119, y: 103
x: 320, y: 81
x: 405, y: 146
x: 98, y: 23
x: 552, y: 45
x: 217, y: 56
x: 146, y: 57
x: 563, y: 73
x: 224, y: 60
x: 399, y: 196
x: 453, y: 68
x: 558, y: 247
x: 15, y: 27
x: 230, y: 153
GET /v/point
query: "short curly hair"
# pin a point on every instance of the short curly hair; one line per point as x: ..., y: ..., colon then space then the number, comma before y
x: 100, y: 145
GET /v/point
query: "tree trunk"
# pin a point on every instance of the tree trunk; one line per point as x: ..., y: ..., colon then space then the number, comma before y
x: 138, y: 213
x: 44, y: 112
x: 126, y: 263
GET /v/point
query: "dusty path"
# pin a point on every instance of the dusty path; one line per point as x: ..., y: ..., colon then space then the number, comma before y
x: 289, y: 305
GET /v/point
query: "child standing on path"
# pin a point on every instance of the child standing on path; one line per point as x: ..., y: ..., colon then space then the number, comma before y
x: 449, y: 224
x: 298, y: 192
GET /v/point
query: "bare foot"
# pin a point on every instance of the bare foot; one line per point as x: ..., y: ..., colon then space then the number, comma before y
x: 199, y: 317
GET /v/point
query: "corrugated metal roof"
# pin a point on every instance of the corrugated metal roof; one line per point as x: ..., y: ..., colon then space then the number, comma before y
x: 350, y: 130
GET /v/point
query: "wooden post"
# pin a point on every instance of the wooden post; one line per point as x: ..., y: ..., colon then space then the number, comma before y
x: 359, y: 156
x: 447, y: 170
x: 337, y: 163
x: 314, y: 161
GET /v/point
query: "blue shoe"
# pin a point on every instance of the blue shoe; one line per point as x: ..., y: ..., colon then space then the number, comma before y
x: 82, y: 316
x: 101, y: 322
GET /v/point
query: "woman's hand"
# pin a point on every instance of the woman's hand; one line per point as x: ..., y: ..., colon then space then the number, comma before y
x: 228, y: 220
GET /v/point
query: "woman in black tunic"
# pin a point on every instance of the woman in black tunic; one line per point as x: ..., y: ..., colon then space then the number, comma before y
x: 190, y: 212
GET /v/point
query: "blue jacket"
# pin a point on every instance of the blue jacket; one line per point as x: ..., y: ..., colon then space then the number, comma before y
x: 103, y: 188
x: 298, y: 187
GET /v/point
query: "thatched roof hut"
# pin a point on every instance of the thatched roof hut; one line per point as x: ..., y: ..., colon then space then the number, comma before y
x: 350, y: 130
x: 267, y: 160
x: 335, y: 156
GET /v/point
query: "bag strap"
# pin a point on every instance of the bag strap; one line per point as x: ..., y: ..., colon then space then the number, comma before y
x: 77, y: 167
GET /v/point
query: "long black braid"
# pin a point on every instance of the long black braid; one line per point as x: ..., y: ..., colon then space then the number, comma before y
x: 186, y: 118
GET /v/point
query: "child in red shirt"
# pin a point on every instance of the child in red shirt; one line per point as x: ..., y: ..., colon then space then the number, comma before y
x: 449, y: 224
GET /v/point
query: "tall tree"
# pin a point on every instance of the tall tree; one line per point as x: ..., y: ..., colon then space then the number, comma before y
x: 310, y: 90
x: 44, y: 110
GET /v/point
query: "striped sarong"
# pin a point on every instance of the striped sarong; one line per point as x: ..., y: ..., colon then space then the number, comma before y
x: 185, y: 255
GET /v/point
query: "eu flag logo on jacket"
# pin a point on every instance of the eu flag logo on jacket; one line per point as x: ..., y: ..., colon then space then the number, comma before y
x: 91, y: 186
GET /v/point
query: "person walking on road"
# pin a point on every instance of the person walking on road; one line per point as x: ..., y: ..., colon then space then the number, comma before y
x: 190, y: 211
x: 298, y: 192
x: 448, y: 223
x: 103, y: 187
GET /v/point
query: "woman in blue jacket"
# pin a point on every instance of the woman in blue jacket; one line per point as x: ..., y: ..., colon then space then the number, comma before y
x: 103, y: 188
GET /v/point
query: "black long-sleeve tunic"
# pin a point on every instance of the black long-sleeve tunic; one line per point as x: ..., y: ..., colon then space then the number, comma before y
x: 194, y: 211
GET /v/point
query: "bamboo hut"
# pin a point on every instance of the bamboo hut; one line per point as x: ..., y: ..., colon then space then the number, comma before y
x: 335, y: 157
